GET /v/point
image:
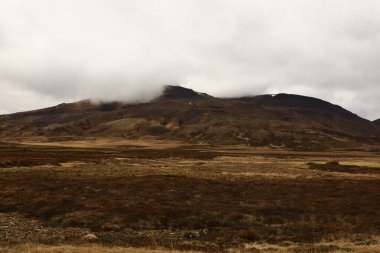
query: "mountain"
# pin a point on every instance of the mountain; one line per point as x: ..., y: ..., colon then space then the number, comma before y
x: 291, y: 121
x: 377, y: 122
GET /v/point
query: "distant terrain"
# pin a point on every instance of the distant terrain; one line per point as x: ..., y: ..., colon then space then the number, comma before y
x: 283, y: 120
x: 190, y: 172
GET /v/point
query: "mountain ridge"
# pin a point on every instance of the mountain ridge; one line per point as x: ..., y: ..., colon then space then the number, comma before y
x: 287, y: 120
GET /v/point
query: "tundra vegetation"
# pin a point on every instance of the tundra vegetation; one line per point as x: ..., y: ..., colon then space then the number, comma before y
x: 112, y: 195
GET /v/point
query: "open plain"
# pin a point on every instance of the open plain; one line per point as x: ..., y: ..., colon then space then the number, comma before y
x: 98, y: 194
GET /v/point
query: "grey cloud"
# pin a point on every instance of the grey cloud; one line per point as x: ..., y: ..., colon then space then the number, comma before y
x: 58, y: 51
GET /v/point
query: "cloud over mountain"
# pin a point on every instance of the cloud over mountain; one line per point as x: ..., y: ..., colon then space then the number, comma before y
x: 53, y: 51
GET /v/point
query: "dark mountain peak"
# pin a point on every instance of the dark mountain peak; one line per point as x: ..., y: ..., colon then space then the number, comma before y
x: 377, y: 121
x: 179, y: 92
x: 284, y: 99
x: 296, y: 101
x: 292, y: 100
x: 303, y: 101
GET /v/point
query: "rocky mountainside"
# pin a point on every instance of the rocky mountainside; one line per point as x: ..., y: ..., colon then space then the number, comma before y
x: 292, y: 121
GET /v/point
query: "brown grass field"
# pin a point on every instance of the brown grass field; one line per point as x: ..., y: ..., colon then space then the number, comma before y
x: 146, y: 196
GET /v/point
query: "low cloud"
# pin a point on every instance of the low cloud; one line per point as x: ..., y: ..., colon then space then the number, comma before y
x: 54, y: 51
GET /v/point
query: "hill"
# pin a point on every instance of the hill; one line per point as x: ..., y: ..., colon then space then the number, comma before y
x: 292, y: 121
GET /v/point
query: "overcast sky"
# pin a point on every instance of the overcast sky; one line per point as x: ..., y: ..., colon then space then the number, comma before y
x: 54, y: 51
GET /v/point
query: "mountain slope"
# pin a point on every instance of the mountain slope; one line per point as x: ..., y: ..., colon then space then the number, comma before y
x: 293, y: 121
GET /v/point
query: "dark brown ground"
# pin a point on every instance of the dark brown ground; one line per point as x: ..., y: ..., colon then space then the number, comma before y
x: 188, y: 197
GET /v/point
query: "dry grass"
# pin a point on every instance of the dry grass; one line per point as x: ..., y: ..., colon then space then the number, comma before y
x: 33, y: 248
x: 338, y: 247
x: 170, y: 197
x: 98, y: 142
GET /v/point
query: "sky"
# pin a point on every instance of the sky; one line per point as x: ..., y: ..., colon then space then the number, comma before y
x: 54, y: 51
